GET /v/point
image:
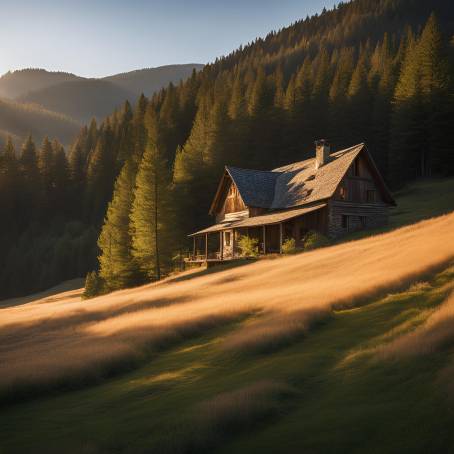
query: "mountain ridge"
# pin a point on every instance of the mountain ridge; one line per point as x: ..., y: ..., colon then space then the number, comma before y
x: 74, y: 98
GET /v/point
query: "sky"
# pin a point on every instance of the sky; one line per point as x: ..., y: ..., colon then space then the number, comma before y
x: 95, y: 38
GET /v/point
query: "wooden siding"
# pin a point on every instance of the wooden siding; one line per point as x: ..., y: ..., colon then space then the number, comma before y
x: 256, y: 211
x: 298, y: 228
x: 357, y: 182
x: 346, y: 217
x: 231, y: 202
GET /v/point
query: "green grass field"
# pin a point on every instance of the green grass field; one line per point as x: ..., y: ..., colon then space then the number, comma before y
x: 328, y: 392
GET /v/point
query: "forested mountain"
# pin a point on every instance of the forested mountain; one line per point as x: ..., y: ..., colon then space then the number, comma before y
x: 18, y: 83
x: 150, y: 80
x: 80, y: 99
x: 84, y: 98
x: 18, y: 120
x: 378, y: 71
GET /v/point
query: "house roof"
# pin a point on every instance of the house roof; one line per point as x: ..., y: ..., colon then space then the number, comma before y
x: 299, y: 183
x: 256, y: 187
x: 266, y: 219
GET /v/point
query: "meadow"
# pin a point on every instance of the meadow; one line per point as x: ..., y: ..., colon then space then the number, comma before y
x: 345, y: 348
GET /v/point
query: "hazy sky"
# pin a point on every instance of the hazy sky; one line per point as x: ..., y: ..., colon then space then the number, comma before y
x: 102, y: 37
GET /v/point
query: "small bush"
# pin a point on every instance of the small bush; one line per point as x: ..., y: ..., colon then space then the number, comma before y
x: 248, y: 246
x: 289, y: 246
x: 315, y: 240
x: 94, y: 285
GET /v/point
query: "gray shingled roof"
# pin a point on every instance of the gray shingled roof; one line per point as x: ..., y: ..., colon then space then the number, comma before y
x: 295, y: 184
x: 255, y: 186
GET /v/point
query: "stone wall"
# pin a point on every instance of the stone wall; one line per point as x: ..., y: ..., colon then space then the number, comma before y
x: 358, y: 217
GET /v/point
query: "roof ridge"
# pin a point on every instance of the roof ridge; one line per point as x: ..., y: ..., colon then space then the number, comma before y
x: 251, y: 170
x: 313, y: 157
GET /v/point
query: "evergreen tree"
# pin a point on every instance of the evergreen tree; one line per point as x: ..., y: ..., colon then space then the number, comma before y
x: 118, y: 268
x: 100, y: 175
x: 437, y: 101
x: 60, y: 179
x: 94, y: 285
x: 30, y: 181
x: 46, y: 169
x: 151, y: 215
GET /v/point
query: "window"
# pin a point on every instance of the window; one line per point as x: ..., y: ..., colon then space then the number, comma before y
x: 227, y: 238
x: 343, y: 193
x: 345, y: 221
x: 370, y: 196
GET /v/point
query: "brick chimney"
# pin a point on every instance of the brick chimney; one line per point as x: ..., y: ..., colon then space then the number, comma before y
x: 322, y: 151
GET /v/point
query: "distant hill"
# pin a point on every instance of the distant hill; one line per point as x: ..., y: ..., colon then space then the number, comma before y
x: 54, y: 103
x: 80, y: 99
x: 18, y: 120
x: 149, y: 80
x: 18, y: 83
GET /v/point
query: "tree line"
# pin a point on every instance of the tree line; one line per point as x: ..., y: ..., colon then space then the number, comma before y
x: 374, y: 71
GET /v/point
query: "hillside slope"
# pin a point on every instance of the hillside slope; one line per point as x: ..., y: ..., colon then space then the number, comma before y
x: 150, y: 80
x: 82, y: 98
x: 261, y: 347
x: 17, y: 83
x: 18, y: 120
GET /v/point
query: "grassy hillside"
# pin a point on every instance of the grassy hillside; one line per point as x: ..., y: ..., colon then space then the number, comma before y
x: 336, y: 350
x: 18, y: 120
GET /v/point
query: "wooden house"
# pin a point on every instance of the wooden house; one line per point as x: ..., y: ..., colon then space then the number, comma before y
x: 331, y: 193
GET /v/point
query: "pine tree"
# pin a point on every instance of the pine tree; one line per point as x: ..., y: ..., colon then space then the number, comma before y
x: 94, y: 285
x: 434, y: 83
x: 118, y: 267
x: 46, y: 170
x: 60, y: 179
x: 9, y: 190
x: 151, y: 216
x: 421, y: 114
x: 406, y: 131
x: 100, y: 175
x: 30, y: 181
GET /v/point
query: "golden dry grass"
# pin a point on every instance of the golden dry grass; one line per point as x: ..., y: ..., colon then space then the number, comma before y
x: 242, y: 406
x: 52, y: 342
x: 435, y: 334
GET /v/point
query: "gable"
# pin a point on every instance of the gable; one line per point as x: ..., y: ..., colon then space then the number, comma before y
x: 255, y: 187
x: 228, y: 198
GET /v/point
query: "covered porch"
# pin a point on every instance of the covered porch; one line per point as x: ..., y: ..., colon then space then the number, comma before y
x: 219, y: 243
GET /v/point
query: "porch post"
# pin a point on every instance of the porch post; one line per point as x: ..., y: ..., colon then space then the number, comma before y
x: 206, y: 246
x: 264, y: 239
x: 280, y: 238
x: 193, y: 247
x: 221, y: 239
x: 233, y: 243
